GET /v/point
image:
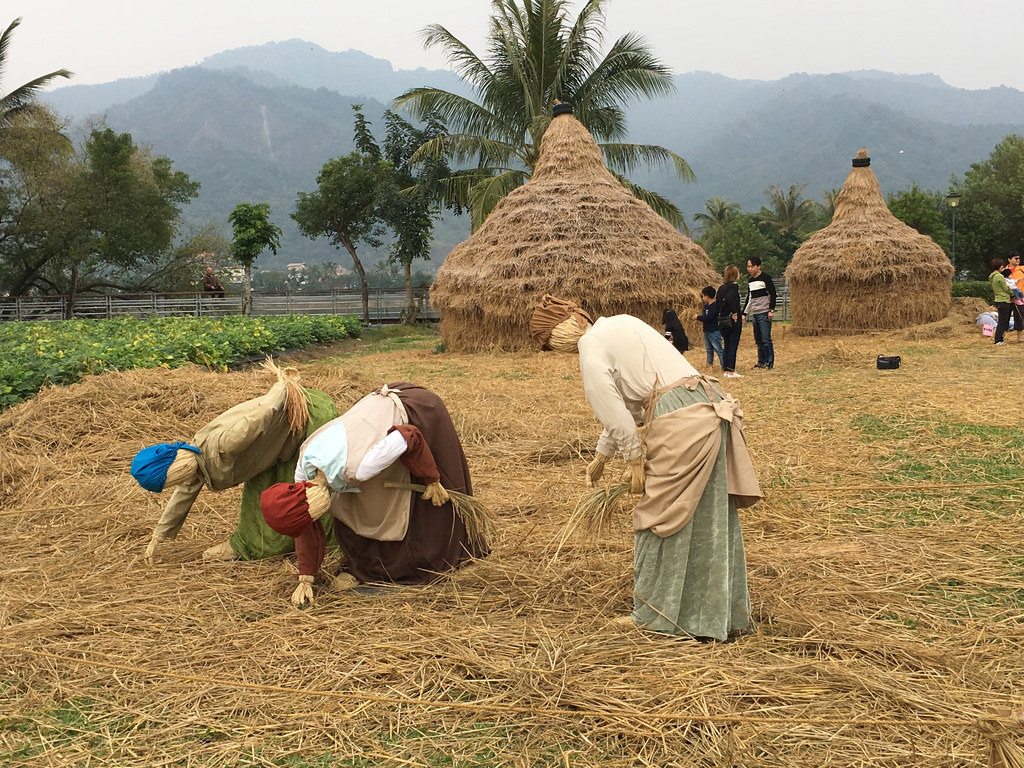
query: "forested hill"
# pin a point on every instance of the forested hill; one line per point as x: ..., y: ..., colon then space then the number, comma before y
x: 257, y: 123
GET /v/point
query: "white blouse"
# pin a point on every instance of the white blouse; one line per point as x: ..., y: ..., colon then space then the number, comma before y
x: 623, y: 360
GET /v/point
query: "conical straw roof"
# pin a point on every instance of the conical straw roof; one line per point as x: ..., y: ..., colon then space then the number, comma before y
x: 574, y: 231
x: 867, y: 270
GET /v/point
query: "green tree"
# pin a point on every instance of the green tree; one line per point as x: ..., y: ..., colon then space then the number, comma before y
x: 990, y: 217
x: 21, y: 98
x: 925, y: 210
x: 252, y: 233
x: 407, y: 195
x: 344, y: 208
x: 789, y: 219
x: 717, y: 211
x: 538, y: 57
x: 739, y: 237
x: 105, y: 217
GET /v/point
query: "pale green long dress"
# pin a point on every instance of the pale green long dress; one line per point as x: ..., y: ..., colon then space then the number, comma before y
x: 695, y: 581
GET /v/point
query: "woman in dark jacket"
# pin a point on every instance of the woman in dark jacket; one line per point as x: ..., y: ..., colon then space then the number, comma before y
x: 674, y: 331
x: 728, y: 298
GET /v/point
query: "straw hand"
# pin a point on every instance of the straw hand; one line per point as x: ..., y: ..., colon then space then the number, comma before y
x: 303, y: 592
x: 436, y: 494
x: 635, y: 475
x: 595, y: 469
x: 151, y: 548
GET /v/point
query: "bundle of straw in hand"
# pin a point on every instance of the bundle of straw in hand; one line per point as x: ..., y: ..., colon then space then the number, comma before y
x: 594, y: 512
x: 479, y: 520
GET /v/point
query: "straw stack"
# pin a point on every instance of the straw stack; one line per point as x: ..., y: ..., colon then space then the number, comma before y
x: 574, y: 231
x: 867, y: 270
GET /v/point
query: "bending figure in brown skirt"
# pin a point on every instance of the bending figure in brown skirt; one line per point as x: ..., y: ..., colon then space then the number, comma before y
x: 349, y: 466
x: 254, y: 443
x: 689, y: 570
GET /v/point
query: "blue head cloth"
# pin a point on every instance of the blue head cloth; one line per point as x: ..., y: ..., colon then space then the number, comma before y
x: 150, y: 465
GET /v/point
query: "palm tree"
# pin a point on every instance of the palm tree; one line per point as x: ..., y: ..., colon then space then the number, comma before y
x: 789, y: 213
x: 717, y: 211
x: 537, y: 57
x: 21, y: 98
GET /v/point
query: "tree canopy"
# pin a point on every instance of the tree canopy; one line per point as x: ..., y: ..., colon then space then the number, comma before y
x: 104, y: 216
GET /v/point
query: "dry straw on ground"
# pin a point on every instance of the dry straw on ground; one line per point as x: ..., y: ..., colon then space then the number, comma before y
x: 886, y: 578
x: 573, y: 231
x: 867, y: 270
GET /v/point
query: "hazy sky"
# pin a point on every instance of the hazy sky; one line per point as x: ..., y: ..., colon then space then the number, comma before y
x: 968, y: 44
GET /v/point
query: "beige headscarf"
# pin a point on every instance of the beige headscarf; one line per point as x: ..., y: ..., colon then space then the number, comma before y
x: 552, y: 313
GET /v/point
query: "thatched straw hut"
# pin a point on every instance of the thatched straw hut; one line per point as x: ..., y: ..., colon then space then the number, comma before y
x: 867, y: 270
x: 574, y: 231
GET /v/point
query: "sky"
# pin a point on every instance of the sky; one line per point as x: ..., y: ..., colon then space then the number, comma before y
x: 973, y: 45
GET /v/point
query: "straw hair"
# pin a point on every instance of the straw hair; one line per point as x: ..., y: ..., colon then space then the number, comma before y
x: 182, y: 469
x: 566, y: 335
x: 867, y: 270
x: 318, y: 497
x: 296, y: 403
x: 573, y: 230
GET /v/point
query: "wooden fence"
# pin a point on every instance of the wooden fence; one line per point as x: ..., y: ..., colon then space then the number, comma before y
x: 387, y: 305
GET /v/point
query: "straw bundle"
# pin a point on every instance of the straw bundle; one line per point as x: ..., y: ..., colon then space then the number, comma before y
x: 867, y: 270
x: 594, y: 513
x: 477, y: 518
x: 574, y: 231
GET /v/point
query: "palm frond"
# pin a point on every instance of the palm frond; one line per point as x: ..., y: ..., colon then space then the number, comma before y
x: 627, y: 157
x: 487, y: 192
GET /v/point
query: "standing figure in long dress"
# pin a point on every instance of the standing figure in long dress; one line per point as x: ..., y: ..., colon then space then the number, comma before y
x: 689, y: 568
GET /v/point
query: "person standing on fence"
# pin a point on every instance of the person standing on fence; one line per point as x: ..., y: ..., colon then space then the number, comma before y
x: 689, y: 462
x: 255, y: 444
x: 211, y: 285
x: 357, y: 469
x: 760, y: 310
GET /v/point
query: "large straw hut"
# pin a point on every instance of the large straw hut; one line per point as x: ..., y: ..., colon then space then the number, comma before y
x: 867, y: 270
x: 574, y: 231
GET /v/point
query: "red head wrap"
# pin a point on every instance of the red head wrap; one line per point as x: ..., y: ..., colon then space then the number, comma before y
x: 285, y: 508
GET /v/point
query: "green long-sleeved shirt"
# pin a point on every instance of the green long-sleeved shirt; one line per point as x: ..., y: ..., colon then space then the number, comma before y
x: 1000, y: 287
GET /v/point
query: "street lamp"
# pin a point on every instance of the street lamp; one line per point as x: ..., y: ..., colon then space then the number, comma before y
x: 954, y: 200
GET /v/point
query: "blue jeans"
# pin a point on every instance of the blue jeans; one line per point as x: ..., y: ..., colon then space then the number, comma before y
x: 763, y: 340
x: 713, y: 344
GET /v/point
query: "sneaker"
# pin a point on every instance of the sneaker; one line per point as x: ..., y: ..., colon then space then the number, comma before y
x: 1000, y: 343
x: 760, y: 366
x: 732, y: 375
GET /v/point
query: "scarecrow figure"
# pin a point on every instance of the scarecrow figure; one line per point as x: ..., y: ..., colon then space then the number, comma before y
x: 689, y: 569
x: 351, y: 467
x: 254, y: 443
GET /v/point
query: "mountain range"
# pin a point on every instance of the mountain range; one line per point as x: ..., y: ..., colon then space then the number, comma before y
x: 257, y: 123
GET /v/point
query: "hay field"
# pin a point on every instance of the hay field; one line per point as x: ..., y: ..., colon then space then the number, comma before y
x: 886, y: 575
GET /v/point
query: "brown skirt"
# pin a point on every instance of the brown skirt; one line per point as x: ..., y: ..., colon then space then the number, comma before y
x: 436, y: 541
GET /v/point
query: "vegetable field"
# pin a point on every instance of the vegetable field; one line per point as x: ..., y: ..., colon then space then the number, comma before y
x: 35, y: 354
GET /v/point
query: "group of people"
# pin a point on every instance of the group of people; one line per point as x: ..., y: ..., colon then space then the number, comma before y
x: 722, y: 318
x: 680, y: 434
x: 1007, y: 279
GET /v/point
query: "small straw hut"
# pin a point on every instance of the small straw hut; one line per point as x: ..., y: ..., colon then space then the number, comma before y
x: 867, y: 270
x: 574, y: 231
